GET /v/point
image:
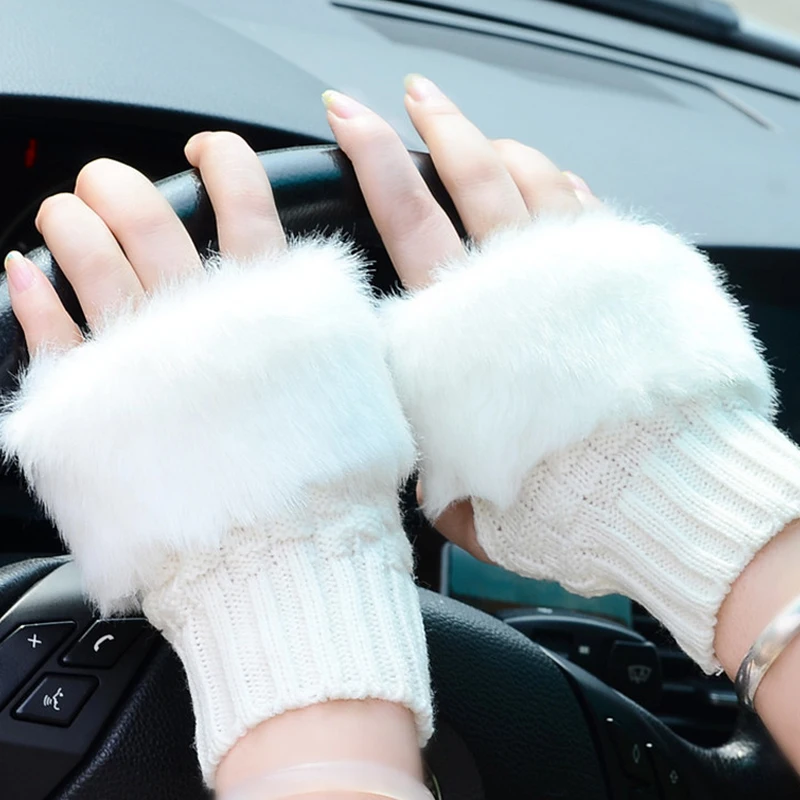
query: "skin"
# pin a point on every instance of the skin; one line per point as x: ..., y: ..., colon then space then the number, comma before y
x: 116, y: 238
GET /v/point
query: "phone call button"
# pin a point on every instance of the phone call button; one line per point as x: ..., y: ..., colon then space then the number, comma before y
x: 104, y: 643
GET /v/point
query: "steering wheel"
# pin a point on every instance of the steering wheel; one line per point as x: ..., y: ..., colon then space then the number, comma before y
x: 514, y: 720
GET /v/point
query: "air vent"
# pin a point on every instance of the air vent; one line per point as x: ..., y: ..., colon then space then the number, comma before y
x: 701, y: 708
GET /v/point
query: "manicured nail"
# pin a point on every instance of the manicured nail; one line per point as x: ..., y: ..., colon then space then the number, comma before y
x: 19, y: 271
x: 194, y: 141
x: 341, y: 105
x: 421, y: 88
x: 200, y: 135
x: 578, y: 183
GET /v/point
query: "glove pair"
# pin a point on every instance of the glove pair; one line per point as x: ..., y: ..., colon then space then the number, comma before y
x: 228, y: 453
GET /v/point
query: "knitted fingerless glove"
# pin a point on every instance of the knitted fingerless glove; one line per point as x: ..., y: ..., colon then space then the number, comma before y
x: 596, y: 392
x: 227, y: 454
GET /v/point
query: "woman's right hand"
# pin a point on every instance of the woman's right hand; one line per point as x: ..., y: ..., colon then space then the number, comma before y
x: 494, y: 185
x: 580, y: 384
x: 590, y: 404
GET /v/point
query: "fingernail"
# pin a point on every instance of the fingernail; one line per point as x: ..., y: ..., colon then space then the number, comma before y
x: 578, y: 183
x: 341, y: 105
x: 18, y: 269
x: 198, y: 136
x: 194, y: 140
x: 422, y: 88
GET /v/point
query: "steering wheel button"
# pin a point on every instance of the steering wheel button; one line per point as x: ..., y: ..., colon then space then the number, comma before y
x: 25, y: 649
x: 104, y: 643
x: 670, y: 779
x: 633, y: 754
x: 634, y: 669
x: 56, y: 700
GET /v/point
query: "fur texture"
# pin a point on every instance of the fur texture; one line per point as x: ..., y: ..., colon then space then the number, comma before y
x: 213, y: 405
x: 541, y: 335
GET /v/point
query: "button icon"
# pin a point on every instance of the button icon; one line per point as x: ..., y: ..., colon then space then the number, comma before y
x: 56, y: 700
x: 104, y: 643
x: 35, y: 641
x: 107, y: 638
x: 639, y: 673
x: 673, y: 777
x: 52, y: 700
x: 635, y: 670
x: 631, y: 753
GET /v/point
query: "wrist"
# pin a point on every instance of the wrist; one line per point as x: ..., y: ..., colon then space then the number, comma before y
x: 769, y: 582
x: 370, y: 731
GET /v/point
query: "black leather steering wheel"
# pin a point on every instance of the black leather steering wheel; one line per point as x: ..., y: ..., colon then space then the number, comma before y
x: 514, y: 720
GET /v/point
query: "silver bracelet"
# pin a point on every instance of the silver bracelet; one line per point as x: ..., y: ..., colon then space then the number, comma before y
x: 764, y: 652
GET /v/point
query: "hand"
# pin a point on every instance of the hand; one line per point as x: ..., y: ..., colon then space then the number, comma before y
x: 493, y: 184
x: 116, y: 238
x: 497, y: 184
x: 117, y: 241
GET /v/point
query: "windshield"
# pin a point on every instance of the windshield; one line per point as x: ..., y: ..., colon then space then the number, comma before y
x: 781, y: 14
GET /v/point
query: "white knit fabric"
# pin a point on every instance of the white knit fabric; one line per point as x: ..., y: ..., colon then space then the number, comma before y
x: 667, y: 511
x: 316, y: 606
x: 228, y: 454
x: 592, y: 387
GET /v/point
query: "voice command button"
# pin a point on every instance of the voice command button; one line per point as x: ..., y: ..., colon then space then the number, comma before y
x: 56, y: 700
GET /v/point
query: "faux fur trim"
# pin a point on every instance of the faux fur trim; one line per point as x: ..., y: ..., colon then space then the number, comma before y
x: 210, y: 406
x: 541, y: 335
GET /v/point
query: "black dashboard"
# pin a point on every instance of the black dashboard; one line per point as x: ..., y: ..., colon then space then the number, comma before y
x: 43, y: 148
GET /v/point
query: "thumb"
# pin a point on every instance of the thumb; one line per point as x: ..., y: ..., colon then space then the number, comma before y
x: 457, y: 524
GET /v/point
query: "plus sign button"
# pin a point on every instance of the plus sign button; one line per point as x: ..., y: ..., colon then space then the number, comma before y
x: 24, y: 649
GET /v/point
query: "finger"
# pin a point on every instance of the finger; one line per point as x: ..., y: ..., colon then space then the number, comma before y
x: 543, y: 186
x: 44, y: 320
x: 457, y: 524
x: 154, y: 240
x: 416, y: 232
x: 473, y: 173
x: 88, y: 254
x: 239, y: 190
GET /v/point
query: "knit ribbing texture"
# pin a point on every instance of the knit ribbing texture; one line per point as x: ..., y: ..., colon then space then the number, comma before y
x: 319, y: 606
x: 668, y: 511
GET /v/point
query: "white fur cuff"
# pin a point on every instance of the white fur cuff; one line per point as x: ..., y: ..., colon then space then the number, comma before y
x: 542, y: 334
x: 212, y: 406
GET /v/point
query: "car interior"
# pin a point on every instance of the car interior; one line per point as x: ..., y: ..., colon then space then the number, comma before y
x: 683, y: 115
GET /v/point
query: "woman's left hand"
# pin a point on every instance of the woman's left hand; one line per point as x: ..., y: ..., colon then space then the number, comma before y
x: 493, y: 184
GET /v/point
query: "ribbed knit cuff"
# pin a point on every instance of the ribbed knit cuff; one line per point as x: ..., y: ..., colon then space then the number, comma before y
x: 668, y: 512
x: 319, y: 607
